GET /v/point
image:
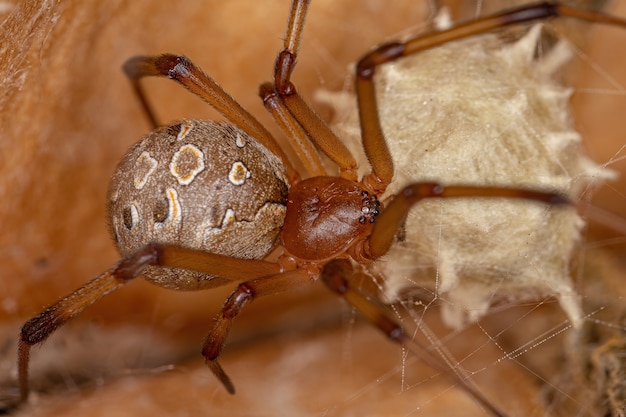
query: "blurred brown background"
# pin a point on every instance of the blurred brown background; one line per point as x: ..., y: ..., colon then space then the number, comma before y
x: 67, y: 114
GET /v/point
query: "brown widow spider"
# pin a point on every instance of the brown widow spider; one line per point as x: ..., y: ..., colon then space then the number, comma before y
x: 160, y: 193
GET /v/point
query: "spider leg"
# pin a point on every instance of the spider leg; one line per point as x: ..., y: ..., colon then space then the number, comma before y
x: 286, y: 59
x: 245, y: 293
x: 337, y: 276
x: 294, y: 107
x: 38, y: 328
x: 297, y: 136
x: 318, y: 131
x: 185, y: 72
x: 394, y: 215
x: 371, y: 130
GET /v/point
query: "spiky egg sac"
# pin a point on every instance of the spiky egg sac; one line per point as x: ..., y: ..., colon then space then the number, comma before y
x: 481, y: 111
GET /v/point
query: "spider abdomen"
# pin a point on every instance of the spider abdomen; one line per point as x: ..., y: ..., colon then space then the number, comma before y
x: 201, y: 185
x: 325, y: 215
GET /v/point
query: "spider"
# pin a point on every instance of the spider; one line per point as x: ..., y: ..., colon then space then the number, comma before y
x: 199, y: 204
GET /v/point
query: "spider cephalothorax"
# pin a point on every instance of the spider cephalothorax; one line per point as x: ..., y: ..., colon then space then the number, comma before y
x: 326, y: 215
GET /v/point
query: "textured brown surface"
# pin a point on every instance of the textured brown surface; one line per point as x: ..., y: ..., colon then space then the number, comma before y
x: 67, y: 115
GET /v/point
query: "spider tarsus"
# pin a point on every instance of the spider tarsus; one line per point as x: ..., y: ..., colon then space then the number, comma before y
x: 218, y: 371
x: 23, y: 357
x: 139, y: 66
